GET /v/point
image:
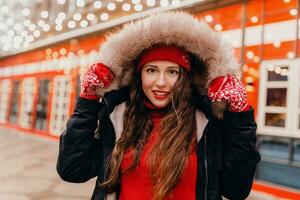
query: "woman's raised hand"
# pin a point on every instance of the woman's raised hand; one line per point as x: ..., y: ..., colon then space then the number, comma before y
x: 230, y: 90
x: 97, y: 76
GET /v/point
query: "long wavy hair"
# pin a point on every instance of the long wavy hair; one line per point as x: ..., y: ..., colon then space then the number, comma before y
x: 176, y: 138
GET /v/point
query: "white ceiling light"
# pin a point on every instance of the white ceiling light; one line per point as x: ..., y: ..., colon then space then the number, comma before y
x: 104, y: 16
x: 126, y: 7
x: 63, y: 51
x: 10, y: 21
x: 218, y: 27
x: 176, y: 3
x: 290, y: 55
x: 58, y: 27
x: 24, y: 33
x: 26, y: 12
x: 25, y: 44
x: 27, y: 22
x: 61, y: 15
x: 18, y: 39
x: 150, y: 3
x: 29, y: 38
x: 44, y: 14
x: 286, y: 1
x: 135, y: 1
x: 71, y: 24
x: 97, y: 4
x: 90, y: 17
x: 36, y: 33
x: 250, y: 54
x: 11, y: 33
x: 254, y: 19
x: 80, y: 3
x: 46, y: 27
x: 77, y: 16
x: 293, y: 12
x: 164, y: 3
x: 61, y: 2
x: 138, y: 7
x: 32, y: 27
x: 208, y: 18
x: 84, y: 23
x: 111, y: 6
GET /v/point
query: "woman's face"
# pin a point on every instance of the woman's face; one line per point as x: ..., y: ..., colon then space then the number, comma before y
x: 158, y: 80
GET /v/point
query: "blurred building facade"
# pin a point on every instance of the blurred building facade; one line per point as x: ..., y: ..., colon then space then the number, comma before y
x: 39, y: 84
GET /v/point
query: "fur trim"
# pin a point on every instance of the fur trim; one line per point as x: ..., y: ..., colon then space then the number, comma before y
x: 122, y: 48
x: 180, y: 28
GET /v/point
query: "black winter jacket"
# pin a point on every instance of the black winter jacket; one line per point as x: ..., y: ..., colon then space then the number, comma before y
x: 227, y: 156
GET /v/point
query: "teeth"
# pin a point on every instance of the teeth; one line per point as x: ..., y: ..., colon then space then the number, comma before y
x: 160, y: 93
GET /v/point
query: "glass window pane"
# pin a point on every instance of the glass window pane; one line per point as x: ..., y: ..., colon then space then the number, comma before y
x: 274, y: 149
x: 13, y: 117
x: 275, y: 119
x: 296, y: 156
x: 277, y: 73
x: 276, y: 96
x: 298, y: 121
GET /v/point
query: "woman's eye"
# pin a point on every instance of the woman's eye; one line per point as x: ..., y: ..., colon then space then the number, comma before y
x: 151, y: 70
x: 173, y: 72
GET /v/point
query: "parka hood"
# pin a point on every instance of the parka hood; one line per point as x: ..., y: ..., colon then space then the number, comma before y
x: 122, y: 48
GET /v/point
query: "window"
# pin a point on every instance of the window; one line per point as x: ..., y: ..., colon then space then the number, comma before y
x: 27, y: 101
x: 14, y: 112
x: 42, y: 105
x: 279, y: 98
x: 60, y: 105
x: 5, y: 89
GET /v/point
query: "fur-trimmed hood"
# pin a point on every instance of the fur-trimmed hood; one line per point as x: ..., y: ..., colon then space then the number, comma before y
x: 122, y: 48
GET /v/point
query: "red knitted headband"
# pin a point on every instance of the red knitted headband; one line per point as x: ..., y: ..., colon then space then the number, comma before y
x: 170, y: 53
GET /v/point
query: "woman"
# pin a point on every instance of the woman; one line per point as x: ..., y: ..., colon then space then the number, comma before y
x: 173, y: 121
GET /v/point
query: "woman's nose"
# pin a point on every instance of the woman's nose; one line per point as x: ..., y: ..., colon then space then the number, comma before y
x: 161, y: 80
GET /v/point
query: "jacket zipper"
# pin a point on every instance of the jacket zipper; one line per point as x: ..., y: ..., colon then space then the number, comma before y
x: 205, y: 158
x: 205, y: 166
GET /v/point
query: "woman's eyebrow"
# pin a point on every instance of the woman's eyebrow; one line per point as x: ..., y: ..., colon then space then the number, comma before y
x: 150, y: 66
x: 173, y: 67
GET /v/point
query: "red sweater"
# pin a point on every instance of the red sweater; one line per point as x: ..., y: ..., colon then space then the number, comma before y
x: 137, y: 185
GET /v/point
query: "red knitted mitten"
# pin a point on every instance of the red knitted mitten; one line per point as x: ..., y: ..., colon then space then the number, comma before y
x: 97, y: 76
x: 231, y: 90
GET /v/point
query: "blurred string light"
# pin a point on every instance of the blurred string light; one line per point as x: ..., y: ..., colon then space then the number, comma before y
x: 254, y: 19
x: 44, y: 14
x: 97, y: 4
x: 126, y: 7
x: 84, y: 23
x: 138, y: 7
x: 104, y: 16
x: 80, y: 3
x: 90, y: 17
x: 293, y: 12
x: 150, y: 3
x: 218, y: 27
x: 175, y: 3
x: 111, y: 7
x: 35, y: 21
x: 208, y: 18
x: 164, y: 3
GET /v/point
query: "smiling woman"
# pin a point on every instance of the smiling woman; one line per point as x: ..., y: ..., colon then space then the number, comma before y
x: 158, y: 80
x: 180, y: 126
